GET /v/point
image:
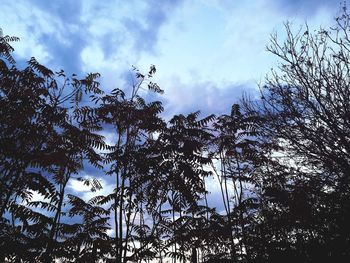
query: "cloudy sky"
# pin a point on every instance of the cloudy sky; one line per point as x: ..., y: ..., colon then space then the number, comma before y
x: 207, y: 52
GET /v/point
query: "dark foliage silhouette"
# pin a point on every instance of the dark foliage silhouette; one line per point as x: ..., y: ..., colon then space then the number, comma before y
x: 281, y: 162
x: 304, y: 106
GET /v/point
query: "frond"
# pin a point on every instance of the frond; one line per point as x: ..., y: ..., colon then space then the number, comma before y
x: 34, y: 64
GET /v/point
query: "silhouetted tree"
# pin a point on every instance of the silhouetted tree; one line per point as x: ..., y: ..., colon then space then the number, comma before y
x: 134, y: 123
x: 282, y: 163
x: 305, y: 107
x: 43, y: 145
x: 184, y: 147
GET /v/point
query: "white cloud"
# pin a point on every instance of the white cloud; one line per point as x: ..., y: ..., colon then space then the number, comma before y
x: 190, y: 43
x: 78, y: 186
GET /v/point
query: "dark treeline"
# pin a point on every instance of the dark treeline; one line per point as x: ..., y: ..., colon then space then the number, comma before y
x: 282, y: 163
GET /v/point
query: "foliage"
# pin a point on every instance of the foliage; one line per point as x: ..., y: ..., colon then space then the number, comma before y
x: 282, y: 164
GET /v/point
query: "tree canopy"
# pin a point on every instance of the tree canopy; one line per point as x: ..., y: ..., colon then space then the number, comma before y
x: 282, y: 164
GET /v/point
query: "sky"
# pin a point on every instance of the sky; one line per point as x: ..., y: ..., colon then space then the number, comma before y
x: 207, y: 52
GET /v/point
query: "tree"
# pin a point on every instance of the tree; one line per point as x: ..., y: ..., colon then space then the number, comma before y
x: 43, y: 146
x: 305, y: 107
x: 183, y: 150
x: 134, y: 123
x: 282, y: 163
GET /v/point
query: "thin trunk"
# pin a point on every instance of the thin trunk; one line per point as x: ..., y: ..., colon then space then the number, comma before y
x: 121, y: 210
x: 116, y: 202
x: 173, y: 214
x: 207, y: 217
x: 240, y: 198
x: 52, y: 236
x: 182, y: 241
x: 232, y: 250
x: 141, y: 225
x: 127, y: 222
x: 219, y: 177
x: 123, y: 250
x: 194, y: 258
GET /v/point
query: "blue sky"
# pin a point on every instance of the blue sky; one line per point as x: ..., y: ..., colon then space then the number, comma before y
x: 207, y: 52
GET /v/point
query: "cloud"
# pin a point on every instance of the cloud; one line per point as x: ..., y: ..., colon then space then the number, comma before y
x: 205, y: 96
x: 145, y: 31
x: 303, y: 8
x: 286, y: 8
x: 86, y: 35
x: 78, y: 188
x: 220, y: 41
